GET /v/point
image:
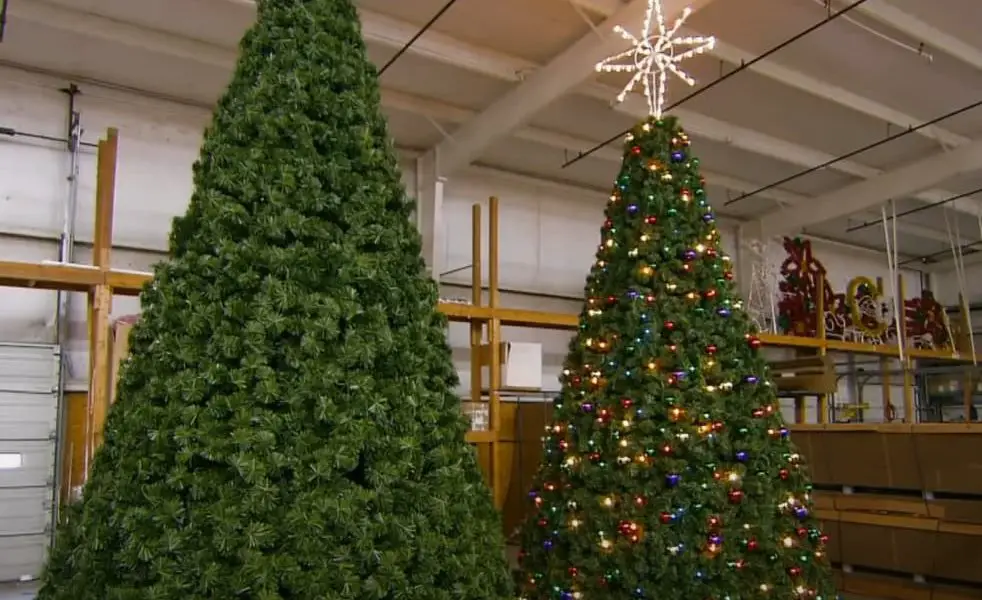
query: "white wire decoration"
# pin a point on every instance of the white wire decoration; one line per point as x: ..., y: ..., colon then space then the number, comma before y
x: 654, y: 54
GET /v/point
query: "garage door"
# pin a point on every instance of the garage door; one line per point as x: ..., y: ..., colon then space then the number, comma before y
x: 28, y: 416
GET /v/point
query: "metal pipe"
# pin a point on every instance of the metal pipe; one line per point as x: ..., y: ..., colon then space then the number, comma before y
x: 66, y: 254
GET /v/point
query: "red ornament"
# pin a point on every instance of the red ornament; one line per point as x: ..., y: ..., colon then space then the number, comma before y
x: 666, y: 449
x: 669, y: 325
x: 801, y: 531
x: 640, y: 500
x: 714, y: 521
x: 710, y: 294
x: 794, y: 571
x: 736, y: 496
x: 754, y: 342
x: 636, y: 150
x: 594, y: 456
x: 543, y: 522
x: 784, y: 474
x: 824, y: 539
x: 711, y: 349
x: 573, y: 571
x: 665, y: 518
x: 758, y: 413
x: 650, y: 220
x: 626, y: 402
x: 728, y: 275
x: 751, y: 544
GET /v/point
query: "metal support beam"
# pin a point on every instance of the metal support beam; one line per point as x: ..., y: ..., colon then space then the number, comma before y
x: 571, y: 68
x: 429, y: 211
x: 897, y: 183
x: 895, y: 18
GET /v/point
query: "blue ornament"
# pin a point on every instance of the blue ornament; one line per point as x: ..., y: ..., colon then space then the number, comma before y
x: 672, y: 479
x: 547, y: 544
x: 632, y: 208
x: 741, y: 456
x: 678, y: 156
x: 566, y: 595
x: 708, y: 217
x: 723, y: 311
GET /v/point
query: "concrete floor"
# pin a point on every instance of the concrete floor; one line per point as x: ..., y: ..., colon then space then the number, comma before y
x: 17, y: 591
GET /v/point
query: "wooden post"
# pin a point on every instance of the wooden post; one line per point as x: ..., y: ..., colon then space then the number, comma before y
x: 889, y: 412
x: 100, y: 297
x: 823, y: 399
x: 906, y: 363
x: 476, y: 327
x: 494, y: 341
x: 968, y: 381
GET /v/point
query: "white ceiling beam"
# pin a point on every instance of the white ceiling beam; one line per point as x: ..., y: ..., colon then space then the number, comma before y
x: 932, y: 37
x: 832, y: 93
x: 769, y: 146
x: 393, y: 33
x: 805, y: 83
x: 447, y: 113
x: 571, y: 68
x: 119, y: 32
x: 898, y: 183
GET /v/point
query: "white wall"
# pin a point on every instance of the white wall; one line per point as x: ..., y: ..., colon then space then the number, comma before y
x: 548, y: 231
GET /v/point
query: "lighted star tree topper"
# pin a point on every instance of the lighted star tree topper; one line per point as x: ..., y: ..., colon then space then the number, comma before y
x: 654, y: 53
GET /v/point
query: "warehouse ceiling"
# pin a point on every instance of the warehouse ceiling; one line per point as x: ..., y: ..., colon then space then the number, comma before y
x: 511, y: 84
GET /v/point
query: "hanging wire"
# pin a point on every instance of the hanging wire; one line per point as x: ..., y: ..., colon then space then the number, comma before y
x: 865, y: 148
x: 418, y: 34
x: 743, y: 66
x: 958, y: 255
x: 918, y: 209
x: 893, y: 271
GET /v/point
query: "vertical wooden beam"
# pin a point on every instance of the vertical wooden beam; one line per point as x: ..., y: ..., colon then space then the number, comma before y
x: 906, y: 363
x: 100, y: 298
x: 494, y: 341
x: 823, y: 399
x: 477, y: 330
x: 968, y: 381
x: 889, y: 413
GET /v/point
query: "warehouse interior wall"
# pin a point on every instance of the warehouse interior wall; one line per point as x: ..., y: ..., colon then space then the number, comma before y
x: 547, y: 229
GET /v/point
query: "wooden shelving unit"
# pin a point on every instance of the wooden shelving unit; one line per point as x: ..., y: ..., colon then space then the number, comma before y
x: 485, y: 320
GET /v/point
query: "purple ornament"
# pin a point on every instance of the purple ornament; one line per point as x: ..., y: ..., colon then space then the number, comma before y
x: 632, y: 208
x: 801, y: 512
x: 716, y: 539
x: 586, y: 407
x: 741, y: 456
x: 723, y: 311
x: 678, y: 156
x: 672, y: 479
x: 708, y: 217
x: 566, y: 595
x: 784, y: 432
x: 547, y: 544
x: 750, y: 379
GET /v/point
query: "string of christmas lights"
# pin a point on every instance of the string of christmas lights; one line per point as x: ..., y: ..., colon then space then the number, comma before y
x: 668, y: 459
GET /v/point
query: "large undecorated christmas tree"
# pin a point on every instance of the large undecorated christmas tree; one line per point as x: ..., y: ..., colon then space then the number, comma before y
x: 286, y: 427
x: 668, y: 473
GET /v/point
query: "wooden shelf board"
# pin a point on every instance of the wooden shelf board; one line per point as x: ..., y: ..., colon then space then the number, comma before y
x: 480, y: 437
x: 81, y: 278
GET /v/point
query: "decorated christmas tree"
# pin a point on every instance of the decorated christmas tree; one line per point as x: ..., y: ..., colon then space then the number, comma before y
x: 668, y: 472
x: 286, y: 427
